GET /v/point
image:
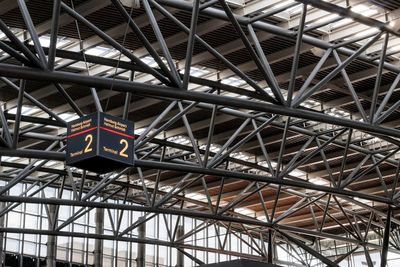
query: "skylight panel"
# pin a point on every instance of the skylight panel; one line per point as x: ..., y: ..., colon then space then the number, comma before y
x: 295, y: 10
x: 62, y: 41
x: 262, y: 218
x: 45, y: 41
x: 283, y: 3
x: 240, y: 156
x: 319, y: 181
x: 310, y: 103
x: 245, y: 211
x: 139, y: 131
x: 342, y: 23
x: 168, y: 188
x: 367, y: 32
x: 179, y: 139
x: 394, y: 48
x: 326, y: 18
x: 198, y: 72
x: 213, y: 147
x: 195, y: 196
x: 98, y: 51
x: 233, y: 81
x: 337, y: 113
x: 149, y: 61
x: 297, y: 173
x: 79, y: 65
x: 265, y: 164
x: 14, y: 110
x: 364, y: 10
x: 365, y: 201
x: 8, y: 159
x: 269, y: 91
x: 51, y: 163
x: 68, y: 116
x: 25, y: 110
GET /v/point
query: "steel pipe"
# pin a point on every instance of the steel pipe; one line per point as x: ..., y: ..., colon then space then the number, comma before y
x: 171, y: 92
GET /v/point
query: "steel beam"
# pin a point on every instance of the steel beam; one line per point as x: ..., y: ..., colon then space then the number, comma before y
x: 141, y: 251
x: 220, y: 14
x: 170, y: 92
x: 201, y: 170
x: 346, y: 12
x: 114, y: 43
x: 180, y: 254
x: 51, y: 240
x: 386, y: 237
x: 98, y: 245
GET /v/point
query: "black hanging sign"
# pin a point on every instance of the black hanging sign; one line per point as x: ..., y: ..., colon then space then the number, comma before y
x: 100, y: 143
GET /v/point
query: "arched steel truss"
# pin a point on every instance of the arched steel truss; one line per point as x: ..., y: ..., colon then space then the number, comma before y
x: 340, y: 208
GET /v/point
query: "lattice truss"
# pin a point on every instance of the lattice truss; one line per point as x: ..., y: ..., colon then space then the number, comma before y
x: 277, y: 119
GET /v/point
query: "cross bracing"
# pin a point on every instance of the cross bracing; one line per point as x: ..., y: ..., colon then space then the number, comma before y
x: 275, y: 119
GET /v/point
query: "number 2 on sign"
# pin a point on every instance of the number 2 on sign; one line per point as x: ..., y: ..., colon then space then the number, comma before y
x: 89, y: 139
x: 122, y: 152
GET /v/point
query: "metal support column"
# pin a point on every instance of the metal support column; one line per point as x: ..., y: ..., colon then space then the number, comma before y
x: 2, y: 254
x: 98, y: 244
x: 51, y: 239
x: 179, y: 257
x: 141, y: 252
x: 270, y: 247
x: 386, y: 236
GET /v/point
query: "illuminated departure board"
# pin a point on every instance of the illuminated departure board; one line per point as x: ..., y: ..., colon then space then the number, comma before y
x: 100, y: 143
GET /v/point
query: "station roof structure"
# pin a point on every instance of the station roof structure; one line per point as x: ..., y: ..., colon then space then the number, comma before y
x: 278, y: 119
